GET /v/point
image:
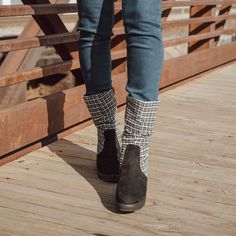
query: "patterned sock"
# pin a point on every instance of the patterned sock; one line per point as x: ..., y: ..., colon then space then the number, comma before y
x: 103, y: 107
x: 140, y: 117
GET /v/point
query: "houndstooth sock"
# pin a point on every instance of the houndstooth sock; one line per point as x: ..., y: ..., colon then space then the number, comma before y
x: 103, y: 107
x: 140, y: 117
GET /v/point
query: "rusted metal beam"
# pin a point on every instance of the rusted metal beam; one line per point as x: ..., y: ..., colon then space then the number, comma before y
x: 224, y: 11
x: 118, y: 44
x: 199, y: 11
x: 14, y: 60
x: 39, y: 41
x: 40, y: 72
x: 171, y: 3
x: 48, y: 115
x: 49, y: 40
x: 197, y: 20
x: 40, y: 9
x: 74, y: 64
x: 43, y: 9
x: 196, y: 62
x: 17, y: 61
x: 197, y: 37
x: 118, y: 30
x: 52, y: 24
x: 15, y: 94
x: 53, y: 113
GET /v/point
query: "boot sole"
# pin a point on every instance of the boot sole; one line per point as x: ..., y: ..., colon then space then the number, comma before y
x: 130, y: 207
x: 108, y: 178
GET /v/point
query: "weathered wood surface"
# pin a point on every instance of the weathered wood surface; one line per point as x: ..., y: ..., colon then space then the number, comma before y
x: 192, y: 181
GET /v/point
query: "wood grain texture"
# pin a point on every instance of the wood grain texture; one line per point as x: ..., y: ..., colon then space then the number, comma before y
x: 192, y: 181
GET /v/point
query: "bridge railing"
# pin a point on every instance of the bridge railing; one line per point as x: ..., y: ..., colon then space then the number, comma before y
x: 32, y: 124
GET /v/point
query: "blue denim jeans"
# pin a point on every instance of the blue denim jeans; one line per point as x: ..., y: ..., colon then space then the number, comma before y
x: 143, y: 35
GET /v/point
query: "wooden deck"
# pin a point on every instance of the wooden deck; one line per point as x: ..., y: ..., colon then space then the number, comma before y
x: 192, y: 181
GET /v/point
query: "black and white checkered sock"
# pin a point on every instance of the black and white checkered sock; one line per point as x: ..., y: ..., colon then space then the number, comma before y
x: 103, y: 107
x: 140, y: 117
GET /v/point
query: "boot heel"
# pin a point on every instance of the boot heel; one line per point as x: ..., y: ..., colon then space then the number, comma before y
x: 108, y: 177
x: 130, y: 207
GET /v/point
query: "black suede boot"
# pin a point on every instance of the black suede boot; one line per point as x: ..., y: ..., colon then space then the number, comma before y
x: 102, y: 107
x: 108, y: 165
x: 140, y: 117
x: 132, y: 186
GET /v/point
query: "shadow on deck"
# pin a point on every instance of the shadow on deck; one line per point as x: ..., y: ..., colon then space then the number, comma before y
x: 192, y: 181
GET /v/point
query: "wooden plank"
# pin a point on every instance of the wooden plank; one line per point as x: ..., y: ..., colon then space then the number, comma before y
x: 169, y: 78
x: 191, y: 185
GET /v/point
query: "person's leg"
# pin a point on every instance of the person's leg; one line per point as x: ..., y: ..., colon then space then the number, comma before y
x: 96, y: 19
x: 145, y: 54
x: 145, y: 51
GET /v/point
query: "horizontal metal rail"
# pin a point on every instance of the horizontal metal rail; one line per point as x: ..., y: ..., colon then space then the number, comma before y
x: 170, y: 4
x: 46, y: 9
x: 40, y: 9
x: 49, y: 40
x: 199, y: 37
x: 44, y: 71
x: 206, y: 19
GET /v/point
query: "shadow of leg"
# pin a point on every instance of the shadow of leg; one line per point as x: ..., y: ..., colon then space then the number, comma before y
x: 84, y: 163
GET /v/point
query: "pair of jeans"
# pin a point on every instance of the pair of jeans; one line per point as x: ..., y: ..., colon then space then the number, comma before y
x: 143, y: 35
